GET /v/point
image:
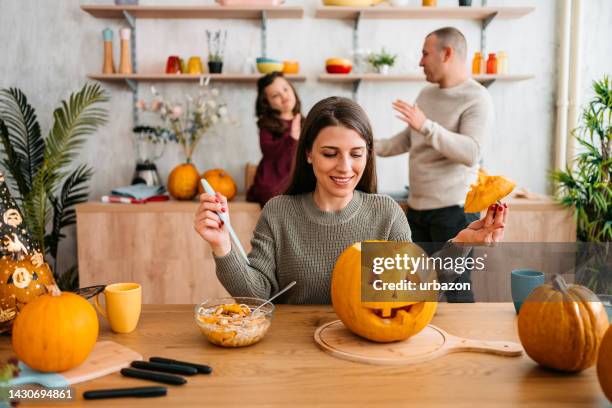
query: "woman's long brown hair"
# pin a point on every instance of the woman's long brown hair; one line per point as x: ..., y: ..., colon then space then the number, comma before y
x: 267, y: 117
x: 333, y: 111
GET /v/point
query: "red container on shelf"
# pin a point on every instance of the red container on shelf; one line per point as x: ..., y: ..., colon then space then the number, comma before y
x: 338, y: 69
x: 492, y: 64
x: 173, y: 65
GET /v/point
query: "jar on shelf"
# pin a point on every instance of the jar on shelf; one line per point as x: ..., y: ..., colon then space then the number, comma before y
x: 502, y: 63
x: 477, y: 63
x: 492, y: 64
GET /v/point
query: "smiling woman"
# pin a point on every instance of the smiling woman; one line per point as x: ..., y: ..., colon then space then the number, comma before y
x: 330, y: 204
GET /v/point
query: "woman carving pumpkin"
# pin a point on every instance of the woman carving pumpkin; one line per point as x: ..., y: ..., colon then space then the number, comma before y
x: 331, y: 203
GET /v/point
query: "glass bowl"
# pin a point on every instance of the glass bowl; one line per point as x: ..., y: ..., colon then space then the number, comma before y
x: 229, y: 322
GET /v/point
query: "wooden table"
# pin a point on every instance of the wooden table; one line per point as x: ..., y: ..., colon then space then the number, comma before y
x: 286, y: 369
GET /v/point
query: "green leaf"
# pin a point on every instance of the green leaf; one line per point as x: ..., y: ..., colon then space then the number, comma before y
x: 74, y: 191
x: 24, y: 146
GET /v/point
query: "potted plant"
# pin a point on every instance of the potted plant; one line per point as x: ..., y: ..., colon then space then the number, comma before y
x: 382, y: 61
x: 586, y: 187
x: 44, y: 176
x: 216, y: 46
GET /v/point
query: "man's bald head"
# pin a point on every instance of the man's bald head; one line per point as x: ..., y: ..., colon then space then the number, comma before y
x: 450, y: 37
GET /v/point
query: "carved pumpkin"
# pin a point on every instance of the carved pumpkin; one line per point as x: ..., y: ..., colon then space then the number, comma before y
x: 604, y: 364
x: 487, y: 191
x: 55, y: 332
x: 221, y: 182
x: 183, y: 182
x: 377, y: 321
x: 561, y: 326
x: 24, y: 275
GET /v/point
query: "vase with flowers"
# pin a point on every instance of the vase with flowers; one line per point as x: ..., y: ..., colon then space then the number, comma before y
x: 216, y: 46
x: 186, y: 123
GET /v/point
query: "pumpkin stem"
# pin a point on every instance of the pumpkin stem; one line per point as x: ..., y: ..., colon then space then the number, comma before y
x: 559, y: 283
x: 54, y: 290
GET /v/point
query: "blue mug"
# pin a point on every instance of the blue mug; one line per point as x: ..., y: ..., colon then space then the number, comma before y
x: 522, y: 282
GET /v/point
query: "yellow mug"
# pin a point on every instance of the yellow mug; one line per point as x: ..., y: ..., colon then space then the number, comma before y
x: 194, y: 65
x: 123, y: 304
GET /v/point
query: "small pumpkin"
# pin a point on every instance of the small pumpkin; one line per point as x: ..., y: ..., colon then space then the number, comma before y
x: 487, y: 191
x: 604, y: 364
x: 183, y: 181
x: 221, y: 182
x: 561, y: 326
x: 377, y: 321
x: 55, y: 332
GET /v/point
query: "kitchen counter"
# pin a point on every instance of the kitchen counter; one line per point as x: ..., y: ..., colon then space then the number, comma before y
x: 286, y: 369
x: 155, y: 244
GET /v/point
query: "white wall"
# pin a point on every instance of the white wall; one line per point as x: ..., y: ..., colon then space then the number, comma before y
x: 48, y: 48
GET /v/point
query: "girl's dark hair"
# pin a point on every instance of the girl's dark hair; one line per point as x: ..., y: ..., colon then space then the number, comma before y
x: 333, y: 111
x: 268, y: 118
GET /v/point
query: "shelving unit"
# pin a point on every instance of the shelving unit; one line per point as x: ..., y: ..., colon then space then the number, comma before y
x: 356, y: 79
x: 403, y: 13
x: 483, y: 14
x: 132, y: 13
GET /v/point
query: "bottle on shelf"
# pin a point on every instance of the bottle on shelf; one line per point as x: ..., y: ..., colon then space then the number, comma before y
x: 492, y: 64
x: 502, y: 63
x: 477, y: 63
x: 125, y: 63
x: 108, y: 67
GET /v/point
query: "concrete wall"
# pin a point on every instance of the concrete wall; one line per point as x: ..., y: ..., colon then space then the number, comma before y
x: 49, y: 47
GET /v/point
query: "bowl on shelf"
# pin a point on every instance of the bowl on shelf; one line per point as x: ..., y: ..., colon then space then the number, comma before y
x: 338, y: 66
x: 233, y: 321
x: 291, y: 67
x: 351, y: 3
x: 268, y: 65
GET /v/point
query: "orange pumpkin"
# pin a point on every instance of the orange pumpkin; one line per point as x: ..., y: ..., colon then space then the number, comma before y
x: 221, y: 182
x: 55, y: 332
x: 20, y: 283
x: 377, y: 321
x: 183, y: 182
x: 604, y: 364
x: 487, y: 191
x: 562, y: 326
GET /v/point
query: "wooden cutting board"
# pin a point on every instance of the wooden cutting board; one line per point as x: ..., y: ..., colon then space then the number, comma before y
x: 106, y: 357
x: 431, y: 343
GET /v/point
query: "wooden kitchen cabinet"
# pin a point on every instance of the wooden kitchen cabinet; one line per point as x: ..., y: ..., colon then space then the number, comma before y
x: 155, y: 244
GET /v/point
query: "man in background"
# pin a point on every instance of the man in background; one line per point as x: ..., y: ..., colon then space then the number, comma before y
x: 447, y: 128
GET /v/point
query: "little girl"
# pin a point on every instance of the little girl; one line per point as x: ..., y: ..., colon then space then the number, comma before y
x: 279, y: 119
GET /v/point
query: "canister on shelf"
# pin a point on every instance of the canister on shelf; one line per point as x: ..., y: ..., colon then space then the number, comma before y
x: 492, y: 64
x: 194, y: 65
x: 109, y: 66
x: 477, y: 63
x: 125, y: 63
x: 502, y: 63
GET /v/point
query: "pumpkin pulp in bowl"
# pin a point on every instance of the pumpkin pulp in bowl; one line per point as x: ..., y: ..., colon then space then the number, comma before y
x: 233, y: 321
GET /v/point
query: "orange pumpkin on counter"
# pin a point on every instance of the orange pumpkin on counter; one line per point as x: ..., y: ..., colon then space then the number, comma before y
x: 487, y: 191
x: 604, y: 364
x: 377, y: 321
x: 561, y: 326
x: 55, y: 332
x: 221, y: 182
x: 183, y: 182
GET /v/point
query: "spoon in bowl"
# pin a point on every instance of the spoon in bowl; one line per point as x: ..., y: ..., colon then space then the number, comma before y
x: 289, y: 286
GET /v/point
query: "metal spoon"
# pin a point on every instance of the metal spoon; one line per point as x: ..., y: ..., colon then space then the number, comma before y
x: 289, y: 286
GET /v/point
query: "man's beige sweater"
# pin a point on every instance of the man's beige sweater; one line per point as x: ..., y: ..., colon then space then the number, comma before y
x: 445, y: 153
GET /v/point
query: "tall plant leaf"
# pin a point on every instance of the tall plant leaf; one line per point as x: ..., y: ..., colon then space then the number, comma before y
x: 24, y: 145
x: 77, y: 118
x: 74, y: 191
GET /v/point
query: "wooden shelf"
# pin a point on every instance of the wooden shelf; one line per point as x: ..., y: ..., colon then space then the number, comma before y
x: 389, y: 12
x: 412, y: 77
x: 187, y: 77
x: 194, y: 12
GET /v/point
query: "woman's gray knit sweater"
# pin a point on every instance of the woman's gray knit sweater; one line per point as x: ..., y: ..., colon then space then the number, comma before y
x: 295, y: 241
